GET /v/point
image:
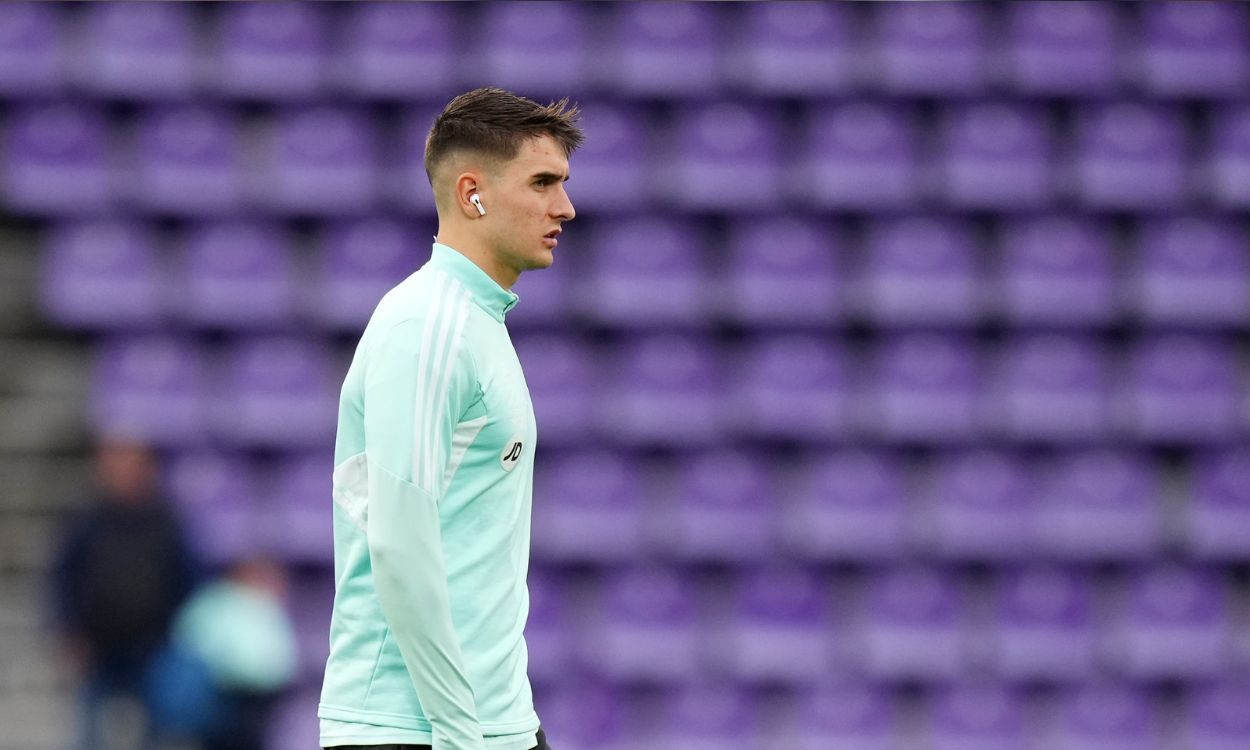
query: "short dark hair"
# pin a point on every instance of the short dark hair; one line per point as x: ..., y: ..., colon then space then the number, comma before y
x: 495, y: 122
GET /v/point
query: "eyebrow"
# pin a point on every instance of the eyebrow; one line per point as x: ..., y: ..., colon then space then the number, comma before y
x: 549, y: 176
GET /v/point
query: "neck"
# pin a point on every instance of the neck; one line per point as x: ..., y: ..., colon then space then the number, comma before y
x: 477, y: 251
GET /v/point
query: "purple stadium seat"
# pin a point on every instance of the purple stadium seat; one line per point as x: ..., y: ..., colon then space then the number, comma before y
x: 1052, y: 388
x: 976, y: 715
x: 645, y: 629
x: 840, y: 716
x: 301, y: 512
x: 545, y: 298
x: 586, y: 713
x: 645, y: 272
x: 32, y: 56
x: 55, y: 160
x: 784, y: 271
x: 563, y: 387
x: 217, y: 501
x: 358, y: 262
x: 238, y: 275
x: 934, y: 48
x: 1044, y: 628
x: 911, y: 627
x: 293, y: 723
x: 1098, y: 504
x: 309, y: 603
x: 1174, y: 625
x: 705, y: 715
x: 1130, y: 156
x: 1066, y: 49
x: 925, y: 388
x: 1215, y: 716
x: 1195, y: 49
x: 920, y: 271
x: 150, y: 388
x: 270, y: 50
x: 720, y: 508
x: 662, y: 390
x: 996, y: 156
x: 1217, y: 519
x: 102, y: 274
x: 511, y: 33
x: 1183, y: 388
x: 860, y: 156
x: 1056, y: 271
x: 590, y: 508
x: 779, y: 629
x: 321, y: 160
x: 548, y: 627
x: 791, y: 387
x: 384, y: 44
x: 1103, y: 715
x: 1191, y: 271
x: 975, y: 507
x: 1227, y: 164
x: 276, y: 392
x: 844, y: 506
x: 726, y: 157
x: 795, y: 49
x: 403, y: 168
x: 610, y: 173
x: 664, y: 49
x: 188, y: 161
x: 139, y: 51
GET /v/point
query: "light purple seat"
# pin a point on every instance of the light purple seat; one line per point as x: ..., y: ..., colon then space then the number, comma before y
x: 404, y: 170
x: 911, y: 627
x: 276, y: 392
x: 1044, y: 629
x: 779, y: 631
x: 546, y: 294
x: 309, y: 605
x: 997, y: 156
x: 1183, y: 388
x: 720, y: 508
x: 216, y: 498
x: 934, y: 48
x: 358, y: 262
x: 32, y: 55
x: 1217, y: 519
x: 549, y: 625
x: 846, y: 506
x: 562, y: 384
x: 975, y: 507
x: 1191, y: 271
x: 664, y: 50
x: 784, y: 271
x: 1129, y: 156
x: 301, y: 517
x: 321, y: 161
x: 589, y: 507
x: 795, y: 49
x: 1227, y: 163
x: 1097, y: 504
x: 859, y: 156
x: 662, y: 390
x: 1052, y: 388
x: 104, y: 274
x: 968, y: 715
x: 511, y: 32
x: 139, y: 51
x: 1198, y: 49
x: 270, y: 50
x: 925, y: 388
x: 920, y: 271
x: 1102, y: 715
x: 586, y: 713
x: 151, y: 388
x: 645, y: 630
x: 56, y: 161
x: 187, y: 161
x: 707, y: 715
x: 385, y: 45
x: 610, y: 172
x: 727, y: 158
x: 1174, y: 625
x: 237, y: 275
x: 1215, y: 716
x: 841, y: 716
x: 1057, y: 271
x: 792, y: 388
x: 1066, y: 49
x: 293, y: 724
x: 645, y: 273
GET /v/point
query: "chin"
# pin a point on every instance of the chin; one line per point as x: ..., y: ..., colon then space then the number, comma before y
x: 542, y: 260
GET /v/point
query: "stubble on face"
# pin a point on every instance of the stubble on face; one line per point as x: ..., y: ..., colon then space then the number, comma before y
x: 533, y: 203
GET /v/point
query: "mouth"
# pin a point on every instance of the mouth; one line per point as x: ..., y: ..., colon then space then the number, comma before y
x: 549, y: 239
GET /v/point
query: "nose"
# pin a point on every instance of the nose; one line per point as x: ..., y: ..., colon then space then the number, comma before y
x: 563, y: 209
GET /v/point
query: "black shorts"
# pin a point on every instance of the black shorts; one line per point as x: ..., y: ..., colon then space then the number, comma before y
x: 542, y: 745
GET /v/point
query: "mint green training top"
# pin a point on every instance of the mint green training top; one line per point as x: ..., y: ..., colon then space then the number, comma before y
x: 433, y: 469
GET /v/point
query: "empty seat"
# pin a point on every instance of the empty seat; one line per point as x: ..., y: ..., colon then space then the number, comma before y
x: 795, y: 49
x: 1217, y: 517
x: 548, y: 628
x: 911, y: 626
x: 585, y: 713
x: 139, y: 51
x: 385, y: 43
x: 320, y: 160
x: 1052, y: 388
x: 238, y: 275
x: 590, y: 508
x: 726, y: 158
x: 270, y: 50
x: 1065, y: 49
x: 510, y: 34
x: 1214, y: 715
x: 664, y: 50
x: 276, y: 392
x: 783, y: 271
x: 840, y: 716
x: 1103, y: 715
x: 216, y: 497
x: 104, y: 274
x: 1183, y: 389
x: 793, y: 388
x: 996, y: 156
x: 187, y: 161
x: 610, y: 173
x: 976, y: 715
x: 301, y: 518
x: 720, y: 508
x: 663, y: 390
x: 707, y: 715
x: 1130, y: 157
x: 920, y: 271
x: 925, y: 388
x: 1044, y: 629
x: 859, y: 156
x: 1198, y: 49
x: 1227, y: 163
x: 1191, y: 271
x: 1056, y: 271
x: 56, y: 160
x: 934, y: 48
x: 975, y: 506
x: 359, y: 261
x: 562, y: 384
x: 404, y: 169
x: 645, y: 629
x: 32, y: 56
x: 151, y: 388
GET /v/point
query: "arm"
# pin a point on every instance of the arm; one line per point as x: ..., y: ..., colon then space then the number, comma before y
x: 416, y: 387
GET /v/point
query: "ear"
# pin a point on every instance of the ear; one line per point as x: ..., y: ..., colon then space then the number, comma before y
x: 466, y: 186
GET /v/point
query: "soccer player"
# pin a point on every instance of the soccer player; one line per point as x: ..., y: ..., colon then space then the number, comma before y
x: 433, y: 463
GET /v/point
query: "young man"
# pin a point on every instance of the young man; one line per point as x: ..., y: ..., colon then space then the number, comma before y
x: 434, y: 455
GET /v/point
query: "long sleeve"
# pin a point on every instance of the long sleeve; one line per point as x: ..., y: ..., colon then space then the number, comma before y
x: 419, y: 380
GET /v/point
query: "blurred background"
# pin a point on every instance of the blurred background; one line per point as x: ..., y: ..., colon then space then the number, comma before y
x: 891, y: 381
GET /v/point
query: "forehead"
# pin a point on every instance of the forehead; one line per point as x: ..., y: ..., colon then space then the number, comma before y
x: 539, y: 154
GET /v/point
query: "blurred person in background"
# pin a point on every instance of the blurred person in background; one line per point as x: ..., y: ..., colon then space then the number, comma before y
x: 123, y: 568
x: 433, y: 465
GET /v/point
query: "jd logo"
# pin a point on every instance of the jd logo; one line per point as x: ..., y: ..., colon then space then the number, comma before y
x: 511, y: 454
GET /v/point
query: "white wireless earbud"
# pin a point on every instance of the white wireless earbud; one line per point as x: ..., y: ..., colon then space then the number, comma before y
x: 475, y: 200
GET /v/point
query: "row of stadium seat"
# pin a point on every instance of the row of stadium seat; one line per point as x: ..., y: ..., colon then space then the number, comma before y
x: 284, y: 51
x: 864, y: 156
